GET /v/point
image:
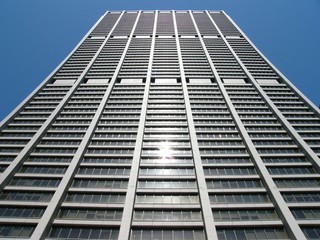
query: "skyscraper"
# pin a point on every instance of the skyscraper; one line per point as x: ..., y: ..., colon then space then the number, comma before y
x: 162, y: 125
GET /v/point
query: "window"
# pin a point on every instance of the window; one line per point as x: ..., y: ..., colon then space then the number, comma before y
x: 168, y: 199
x: 245, y: 215
x: 99, y: 183
x: 252, y: 233
x: 223, y: 151
x: 188, y: 216
x: 16, y: 231
x: 278, y: 150
x: 283, y: 159
x: 176, y: 160
x: 176, y: 234
x: 224, y: 184
x: 43, y: 170
x: 306, y: 214
x: 238, y: 198
x: 291, y: 170
x: 34, y: 182
x: 11, y: 212
x: 55, y: 150
x: 229, y: 171
x: 215, y: 160
x: 103, y: 171
x: 83, y: 233
x: 301, y: 197
x: 92, y: 214
x: 297, y: 183
x: 311, y: 232
x: 106, y: 159
x: 49, y: 159
x: 167, y: 184
x: 166, y: 171
x: 25, y: 196
x: 95, y: 198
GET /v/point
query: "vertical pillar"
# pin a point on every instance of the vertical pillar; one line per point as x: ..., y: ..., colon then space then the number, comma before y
x: 15, y: 112
x: 293, y: 88
x: 47, y: 218
x: 208, y: 220
x: 285, y: 214
x: 125, y: 227
x: 285, y: 123
x: 25, y: 152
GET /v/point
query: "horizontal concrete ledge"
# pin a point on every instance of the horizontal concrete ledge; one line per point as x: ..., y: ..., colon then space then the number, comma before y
x: 93, y: 205
x: 173, y: 191
x: 167, y: 206
x: 19, y: 220
x: 241, y: 190
x: 242, y: 206
x: 87, y: 223
x: 97, y: 190
x: 167, y: 224
x: 23, y: 204
x: 307, y: 223
x: 303, y: 204
x: 238, y: 224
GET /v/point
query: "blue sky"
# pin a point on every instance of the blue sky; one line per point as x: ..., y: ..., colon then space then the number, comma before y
x: 36, y: 35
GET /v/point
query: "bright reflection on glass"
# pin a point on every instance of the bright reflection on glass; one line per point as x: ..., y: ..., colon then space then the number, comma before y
x: 165, y: 151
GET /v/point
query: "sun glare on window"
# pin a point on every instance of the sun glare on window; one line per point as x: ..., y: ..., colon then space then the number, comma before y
x: 165, y: 151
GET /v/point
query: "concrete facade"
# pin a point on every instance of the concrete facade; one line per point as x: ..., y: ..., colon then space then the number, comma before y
x: 162, y: 125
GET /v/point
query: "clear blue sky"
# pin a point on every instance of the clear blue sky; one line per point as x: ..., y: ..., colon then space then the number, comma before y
x: 36, y: 35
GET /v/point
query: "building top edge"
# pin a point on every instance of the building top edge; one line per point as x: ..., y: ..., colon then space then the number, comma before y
x: 166, y: 10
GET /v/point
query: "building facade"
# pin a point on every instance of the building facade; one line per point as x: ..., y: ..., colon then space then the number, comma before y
x: 162, y: 125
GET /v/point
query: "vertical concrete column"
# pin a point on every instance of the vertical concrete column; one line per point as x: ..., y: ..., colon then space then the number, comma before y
x: 16, y: 111
x: 47, y: 218
x: 311, y: 155
x: 208, y: 220
x: 125, y: 227
x: 25, y: 152
x: 284, y: 212
x: 314, y: 108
